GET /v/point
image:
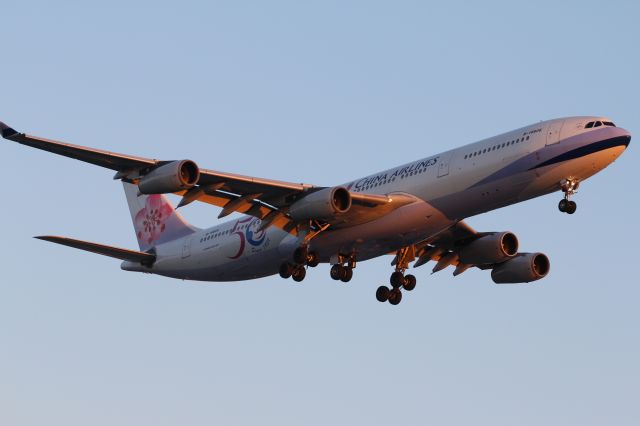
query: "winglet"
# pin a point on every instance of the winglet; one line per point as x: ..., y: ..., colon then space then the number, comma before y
x: 7, y: 131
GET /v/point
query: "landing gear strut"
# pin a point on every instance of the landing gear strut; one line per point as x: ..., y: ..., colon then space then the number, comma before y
x: 302, y: 256
x: 569, y: 187
x: 398, y: 279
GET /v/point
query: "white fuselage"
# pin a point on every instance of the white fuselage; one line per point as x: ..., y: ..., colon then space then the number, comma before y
x: 450, y: 186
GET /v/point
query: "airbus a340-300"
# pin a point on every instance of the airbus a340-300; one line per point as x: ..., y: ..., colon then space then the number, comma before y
x: 414, y: 212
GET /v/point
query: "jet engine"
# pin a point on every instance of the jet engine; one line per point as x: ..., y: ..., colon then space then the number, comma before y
x: 491, y: 248
x: 523, y: 268
x: 170, y: 177
x: 323, y: 204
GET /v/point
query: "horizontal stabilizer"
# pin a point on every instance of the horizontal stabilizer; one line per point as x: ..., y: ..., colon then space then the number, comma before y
x: 118, y: 253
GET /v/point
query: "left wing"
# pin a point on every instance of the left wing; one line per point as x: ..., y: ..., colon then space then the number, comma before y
x: 115, y: 252
x: 265, y: 199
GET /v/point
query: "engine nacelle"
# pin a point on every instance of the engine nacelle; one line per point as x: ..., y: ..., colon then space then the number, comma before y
x: 523, y: 268
x: 171, y: 177
x: 492, y: 248
x: 323, y: 204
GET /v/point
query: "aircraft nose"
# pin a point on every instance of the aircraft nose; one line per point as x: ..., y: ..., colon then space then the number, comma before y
x: 627, y: 135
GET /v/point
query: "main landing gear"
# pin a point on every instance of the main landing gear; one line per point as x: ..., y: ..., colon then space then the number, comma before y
x: 343, y: 270
x: 569, y: 187
x: 302, y: 257
x: 398, y: 279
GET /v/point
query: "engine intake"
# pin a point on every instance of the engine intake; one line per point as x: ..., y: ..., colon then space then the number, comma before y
x: 491, y: 248
x: 323, y: 204
x: 172, y: 177
x: 523, y: 268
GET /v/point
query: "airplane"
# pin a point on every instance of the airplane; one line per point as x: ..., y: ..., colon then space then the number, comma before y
x: 414, y: 212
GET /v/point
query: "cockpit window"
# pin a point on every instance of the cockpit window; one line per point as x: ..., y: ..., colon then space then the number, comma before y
x: 598, y: 124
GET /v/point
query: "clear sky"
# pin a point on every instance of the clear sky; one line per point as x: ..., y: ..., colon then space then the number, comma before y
x: 320, y: 92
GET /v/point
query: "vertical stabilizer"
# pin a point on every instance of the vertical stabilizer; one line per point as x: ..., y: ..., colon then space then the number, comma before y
x: 154, y: 218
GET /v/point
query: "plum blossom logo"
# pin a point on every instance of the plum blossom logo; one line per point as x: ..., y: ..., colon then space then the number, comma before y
x: 151, y: 221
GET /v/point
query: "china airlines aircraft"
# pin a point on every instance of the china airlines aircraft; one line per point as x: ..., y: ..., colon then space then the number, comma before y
x: 414, y: 212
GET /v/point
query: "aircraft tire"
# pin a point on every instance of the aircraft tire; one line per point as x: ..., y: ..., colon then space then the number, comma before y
x: 285, y: 270
x: 395, y: 296
x: 300, y: 255
x: 382, y: 294
x: 313, y: 259
x: 336, y: 272
x: 563, y: 205
x: 409, y: 282
x: 397, y: 279
x: 346, y: 275
x: 298, y: 274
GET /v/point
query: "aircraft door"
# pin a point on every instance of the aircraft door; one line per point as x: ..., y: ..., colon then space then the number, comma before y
x: 443, y: 164
x: 186, y: 248
x: 553, y: 132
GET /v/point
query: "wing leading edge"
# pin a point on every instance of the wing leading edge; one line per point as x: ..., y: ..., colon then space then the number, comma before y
x: 265, y: 199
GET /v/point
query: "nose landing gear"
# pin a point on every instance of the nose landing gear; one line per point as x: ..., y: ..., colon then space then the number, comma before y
x: 398, y: 279
x: 569, y: 187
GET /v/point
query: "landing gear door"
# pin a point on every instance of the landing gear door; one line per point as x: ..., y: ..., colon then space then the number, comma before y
x: 553, y: 132
x: 443, y: 163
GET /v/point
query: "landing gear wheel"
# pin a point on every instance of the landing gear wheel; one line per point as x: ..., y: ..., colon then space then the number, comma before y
x: 300, y: 255
x: 571, y: 207
x: 397, y: 279
x: 395, y: 296
x: 336, y: 272
x: 298, y: 273
x: 285, y: 270
x: 409, y: 282
x: 347, y: 274
x: 563, y: 205
x: 313, y: 259
x: 382, y: 294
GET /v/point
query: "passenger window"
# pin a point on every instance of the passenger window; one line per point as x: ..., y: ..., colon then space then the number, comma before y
x: 504, y: 144
x: 527, y: 137
x: 598, y: 124
x: 589, y: 125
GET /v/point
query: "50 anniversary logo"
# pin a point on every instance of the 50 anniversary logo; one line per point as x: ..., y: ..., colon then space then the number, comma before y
x: 250, y: 234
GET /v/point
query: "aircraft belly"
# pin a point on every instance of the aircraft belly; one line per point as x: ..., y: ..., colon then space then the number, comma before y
x: 407, y: 225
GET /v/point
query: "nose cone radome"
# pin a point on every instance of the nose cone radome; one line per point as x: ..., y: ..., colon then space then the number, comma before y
x: 625, y: 135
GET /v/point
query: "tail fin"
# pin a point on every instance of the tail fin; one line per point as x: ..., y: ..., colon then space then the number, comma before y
x: 154, y: 218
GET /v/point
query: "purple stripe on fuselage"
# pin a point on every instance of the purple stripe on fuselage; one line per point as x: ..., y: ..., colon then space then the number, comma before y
x: 548, y: 152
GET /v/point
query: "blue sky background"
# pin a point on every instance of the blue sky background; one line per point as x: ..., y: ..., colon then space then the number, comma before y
x: 320, y: 92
